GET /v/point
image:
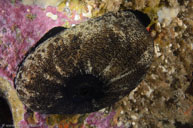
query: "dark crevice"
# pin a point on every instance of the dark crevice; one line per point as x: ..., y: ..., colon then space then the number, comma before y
x: 189, y: 90
x: 181, y: 2
x: 142, y: 17
x: 182, y: 125
x: 6, y: 119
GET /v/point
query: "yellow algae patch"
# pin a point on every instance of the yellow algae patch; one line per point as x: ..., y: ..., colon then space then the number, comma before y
x: 73, y: 5
x: 65, y: 119
x: 16, y: 105
x: 52, y: 16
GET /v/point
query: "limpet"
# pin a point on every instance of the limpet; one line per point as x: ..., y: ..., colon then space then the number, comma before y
x: 87, y: 67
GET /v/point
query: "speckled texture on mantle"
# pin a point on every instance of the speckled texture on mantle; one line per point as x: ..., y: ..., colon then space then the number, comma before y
x: 164, y: 99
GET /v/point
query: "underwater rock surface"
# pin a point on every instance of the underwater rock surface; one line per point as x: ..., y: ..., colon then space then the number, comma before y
x: 164, y: 99
x: 87, y: 67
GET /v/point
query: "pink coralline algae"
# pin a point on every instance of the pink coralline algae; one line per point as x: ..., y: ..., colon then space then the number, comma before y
x: 41, y: 121
x: 99, y: 120
x: 21, y: 26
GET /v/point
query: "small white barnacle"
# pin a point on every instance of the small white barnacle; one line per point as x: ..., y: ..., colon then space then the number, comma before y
x: 101, y: 64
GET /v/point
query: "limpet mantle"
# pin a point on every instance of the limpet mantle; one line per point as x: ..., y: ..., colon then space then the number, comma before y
x: 87, y: 67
